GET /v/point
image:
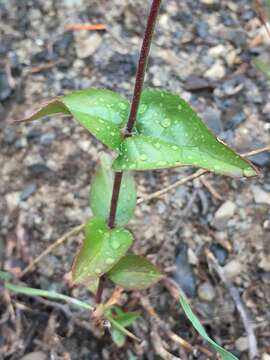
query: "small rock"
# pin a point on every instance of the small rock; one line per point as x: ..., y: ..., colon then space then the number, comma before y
x: 217, y: 51
x: 39, y: 169
x: 212, y: 118
x: 261, y: 160
x: 12, y: 200
x: 63, y: 43
x: 216, y: 71
x: 206, y: 292
x: 10, y: 135
x: 242, y: 344
x: 237, y: 37
x: 35, y: 355
x: 220, y: 253
x: 47, y: 139
x: 28, y: 190
x: 233, y: 268
x: 161, y: 207
x: 260, y: 196
x: 196, y: 83
x: 202, y: 29
x: 223, y: 214
x: 264, y: 262
x: 184, y: 274
x: 5, y: 89
x: 86, y: 44
x: 209, y: 2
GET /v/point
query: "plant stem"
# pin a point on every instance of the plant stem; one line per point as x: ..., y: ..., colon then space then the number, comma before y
x: 142, y: 64
x: 140, y: 74
x: 47, y: 294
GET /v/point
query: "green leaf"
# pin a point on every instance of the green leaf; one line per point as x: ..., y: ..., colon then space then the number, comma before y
x: 117, y: 336
x: 226, y: 355
x: 123, y: 319
x: 101, y: 193
x: 169, y: 133
x: 93, y: 286
x: 263, y: 67
x: 134, y: 272
x: 102, y: 112
x: 101, y: 250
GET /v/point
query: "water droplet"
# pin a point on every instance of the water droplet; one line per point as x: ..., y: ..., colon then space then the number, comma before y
x: 174, y: 147
x: 115, y: 244
x: 143, y: 157
x: 179, y: 107
x: 98, y: 271
x: 142, y: 108
x: 109, y: 261
x: 123, y: 106
x: 166, y: 122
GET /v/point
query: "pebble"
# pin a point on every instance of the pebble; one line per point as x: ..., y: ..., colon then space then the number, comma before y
x: 223, y: 214
x: 209, y: 2
x: 28, y: 190
x: 242, y: 344
x: 47, y: 139
x: 62, y: 43
x: 220, y: 253
x: 196, y: 83
x: 35, y: 355
x: 206, y: 292
x: 39, y: 169
x: 262, y: 160
x: 216, y: 71
x: 5, y: 89
x: 183, y: 275
x: 233, y: 268
x: 202, y: 29
x: 10, y: 135
x: 260, y: 196
x: 212, y: 118
x: 12, y: 199
x: 86, y: 45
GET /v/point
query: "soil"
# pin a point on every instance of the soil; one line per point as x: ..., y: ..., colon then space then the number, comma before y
x: 203, y: 50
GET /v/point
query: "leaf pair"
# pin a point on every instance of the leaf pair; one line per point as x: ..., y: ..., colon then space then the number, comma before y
x: 119, y: 321
x: 103, y: 251
x: 167, y: 132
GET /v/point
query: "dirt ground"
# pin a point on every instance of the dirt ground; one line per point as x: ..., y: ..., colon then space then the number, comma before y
x: 204, y: 51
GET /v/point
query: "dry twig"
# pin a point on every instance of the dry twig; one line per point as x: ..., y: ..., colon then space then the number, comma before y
x: 87, y: 26
x: 162, y: 325
x: 253, y: 349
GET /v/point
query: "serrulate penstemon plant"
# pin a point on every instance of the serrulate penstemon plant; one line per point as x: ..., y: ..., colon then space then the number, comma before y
x: 158, y: 130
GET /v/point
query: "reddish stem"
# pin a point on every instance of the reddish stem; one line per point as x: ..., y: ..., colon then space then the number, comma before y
x: 142, y: 64
x: 140, y: 74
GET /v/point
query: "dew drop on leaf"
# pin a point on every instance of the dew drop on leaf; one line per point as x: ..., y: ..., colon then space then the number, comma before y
x: 142, y: 108
x: 166, y: 122
x: 179, y: 107
x: 123, y: 106
x: 109, y: 261
x: 115, y: 244
x: 143, y: 157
